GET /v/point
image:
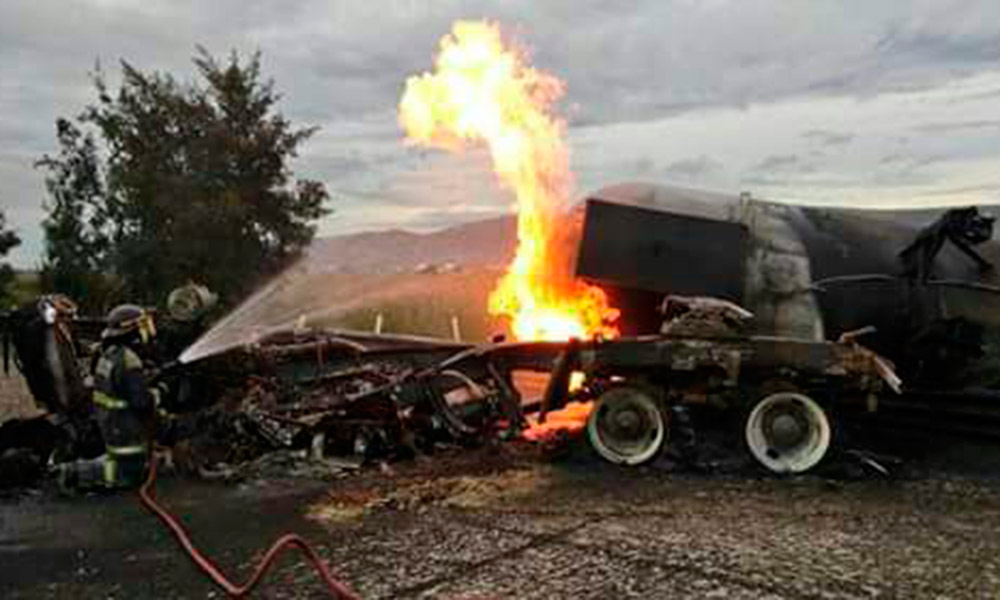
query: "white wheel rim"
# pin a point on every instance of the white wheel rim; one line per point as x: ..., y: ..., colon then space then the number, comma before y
x: 788, y: 432
x: 653, y: 427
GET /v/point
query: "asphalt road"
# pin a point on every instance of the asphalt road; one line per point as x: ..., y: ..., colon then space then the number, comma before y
x: 502, y: 524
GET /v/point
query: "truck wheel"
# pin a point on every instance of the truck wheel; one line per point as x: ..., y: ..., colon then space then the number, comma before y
x: 627, y: 426
x: 787, y: 432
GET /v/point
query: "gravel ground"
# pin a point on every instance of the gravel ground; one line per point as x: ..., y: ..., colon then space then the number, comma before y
x: 504, y: 524
x: 509, y: 523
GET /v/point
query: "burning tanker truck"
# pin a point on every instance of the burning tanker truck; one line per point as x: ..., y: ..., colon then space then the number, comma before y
x: 754, y: 293
x: 784, y: 315
x: 918, y: 287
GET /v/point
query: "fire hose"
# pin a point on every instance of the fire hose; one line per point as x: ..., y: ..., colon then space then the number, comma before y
x: 336, y: 588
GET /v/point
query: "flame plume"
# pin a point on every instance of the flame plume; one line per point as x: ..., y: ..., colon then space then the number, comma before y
x: 482, y: 90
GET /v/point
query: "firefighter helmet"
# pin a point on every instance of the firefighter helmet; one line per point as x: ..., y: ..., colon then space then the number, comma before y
x: 190, y: 302
x: 126, y: 319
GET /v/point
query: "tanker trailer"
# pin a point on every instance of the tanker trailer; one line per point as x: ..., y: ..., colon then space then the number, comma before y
x: 920, y: 283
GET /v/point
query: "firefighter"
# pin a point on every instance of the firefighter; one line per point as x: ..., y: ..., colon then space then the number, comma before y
x: 124, y: 405
x: 123, y: 401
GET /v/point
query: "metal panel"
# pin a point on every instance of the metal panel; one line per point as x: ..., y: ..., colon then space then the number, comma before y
x: 657, y: 251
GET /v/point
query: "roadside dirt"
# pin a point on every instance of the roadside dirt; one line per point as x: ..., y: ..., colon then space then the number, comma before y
x: 15, y: 399
x: 507, y: 522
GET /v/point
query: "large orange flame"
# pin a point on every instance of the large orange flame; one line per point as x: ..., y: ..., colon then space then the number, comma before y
x: 482, y: 90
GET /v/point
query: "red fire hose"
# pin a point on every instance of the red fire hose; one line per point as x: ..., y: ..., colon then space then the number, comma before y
x: 337, y: 589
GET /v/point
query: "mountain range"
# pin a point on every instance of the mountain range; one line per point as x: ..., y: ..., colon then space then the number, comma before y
x: 488, y: 243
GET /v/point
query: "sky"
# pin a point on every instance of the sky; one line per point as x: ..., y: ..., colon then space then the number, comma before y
x: 890, y: 103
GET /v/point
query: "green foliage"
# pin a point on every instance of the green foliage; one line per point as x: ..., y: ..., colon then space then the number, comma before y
x: 25, y: 287
x: 76, y: 229
x: 189, y: 182
x: 8, y: 241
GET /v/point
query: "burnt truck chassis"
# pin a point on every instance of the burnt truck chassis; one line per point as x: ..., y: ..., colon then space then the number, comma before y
x: 371, y: 395
x: 375, y: 396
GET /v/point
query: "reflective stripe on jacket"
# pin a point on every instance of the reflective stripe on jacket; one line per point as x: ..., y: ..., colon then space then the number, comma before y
x: 105, y: 401
x: 122, y: 400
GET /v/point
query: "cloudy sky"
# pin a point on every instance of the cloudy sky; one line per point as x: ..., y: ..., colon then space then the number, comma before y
x: 870, y: 103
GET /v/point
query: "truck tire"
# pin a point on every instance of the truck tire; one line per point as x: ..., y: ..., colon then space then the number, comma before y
x: 627, y: 426
x: 787, y: 432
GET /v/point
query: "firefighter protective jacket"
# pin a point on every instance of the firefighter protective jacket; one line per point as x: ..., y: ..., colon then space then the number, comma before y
x: 123, y: 400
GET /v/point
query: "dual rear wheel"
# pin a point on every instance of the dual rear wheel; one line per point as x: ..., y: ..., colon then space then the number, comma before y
x: 785, y: 432
x: 627, y: 426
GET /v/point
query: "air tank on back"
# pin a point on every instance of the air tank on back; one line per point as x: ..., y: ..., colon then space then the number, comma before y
x: 924, y: 280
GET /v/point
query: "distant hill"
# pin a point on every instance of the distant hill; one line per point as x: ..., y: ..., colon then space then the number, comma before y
x: 419, y: 282
x: 491, y: 242
x: 488, y: 243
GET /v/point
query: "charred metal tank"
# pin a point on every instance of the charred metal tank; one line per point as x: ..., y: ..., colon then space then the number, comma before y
x: 924, y: 280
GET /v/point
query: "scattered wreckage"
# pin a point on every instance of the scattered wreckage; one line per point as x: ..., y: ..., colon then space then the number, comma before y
x: 375, y: 397
x: 926, y: 299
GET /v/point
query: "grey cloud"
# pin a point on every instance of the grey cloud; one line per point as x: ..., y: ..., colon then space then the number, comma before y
x: 693, y: 168
x: 778, y: 162
x: 982, y: 95
x: 906, y: 169
x: 954, y: 126
x: 832, y: 183
x: 340, y: 62
x: 828, y: 138
x: 621, y: 63
x: 353, y: 163
x: 894, y: 158
x: 909, y: 162
x: 782, y: 170
x: 735, y: 54
x: 644, y: 166
x: 449, y: 190
x: 988, y: 188
x: 764, y: 181
x: 960, y: 45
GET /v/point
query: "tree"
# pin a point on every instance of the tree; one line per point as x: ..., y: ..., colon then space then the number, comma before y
x: 77, y: 242
x: 184, y: 181
x: 8, y: 241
